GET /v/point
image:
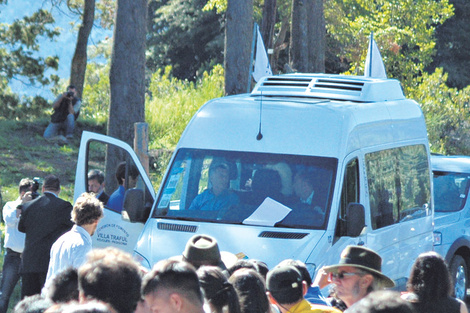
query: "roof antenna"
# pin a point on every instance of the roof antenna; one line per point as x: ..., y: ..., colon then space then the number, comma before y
x: 260, y: 135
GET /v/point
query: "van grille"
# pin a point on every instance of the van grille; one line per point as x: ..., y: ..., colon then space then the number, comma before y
x: 282, y: 235
x: 330, y: 86
x: 177, y: 227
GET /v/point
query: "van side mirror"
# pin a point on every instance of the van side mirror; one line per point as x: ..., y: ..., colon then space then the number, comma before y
x: 133, y: 207
x: 355, y: 219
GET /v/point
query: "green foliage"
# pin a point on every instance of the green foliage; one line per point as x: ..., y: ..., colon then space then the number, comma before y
x: 95, y: 103
x: 20, y: 41
x: 219, y: 5
x: 446, y: 111
x: 453, y: 40
x: 403, y: 29
x: 184, y: 36
x: 18, y: 45
x: 169, y: 108
x: 173, y: 102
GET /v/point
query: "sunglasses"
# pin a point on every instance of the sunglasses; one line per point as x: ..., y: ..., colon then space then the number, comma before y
x: 341, y: 275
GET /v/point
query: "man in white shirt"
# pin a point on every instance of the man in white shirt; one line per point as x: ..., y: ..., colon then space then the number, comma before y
x: 14, y: 243
x: 71, y: 248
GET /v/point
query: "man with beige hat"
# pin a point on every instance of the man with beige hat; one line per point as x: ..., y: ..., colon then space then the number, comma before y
x: 358, y: 273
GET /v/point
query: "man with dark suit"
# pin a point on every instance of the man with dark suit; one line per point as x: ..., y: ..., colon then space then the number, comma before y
x: 306, y: 207
x: 96, y: 185
x: 43, y: 220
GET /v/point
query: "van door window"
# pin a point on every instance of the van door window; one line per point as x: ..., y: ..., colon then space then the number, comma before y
x: 450, y: 190
x: 349, y: 194
x: 399, y: 185
x: 229, y: 186
x: 117, y: 180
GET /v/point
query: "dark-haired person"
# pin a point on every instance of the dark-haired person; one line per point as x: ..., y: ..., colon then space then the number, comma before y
x: 430, y: 286
x: 173, y: 286
x: 251, y: 290
x: 313, y: 294
x: 14, y: 244
x: 71, y: 248
x: 43, y: 220
x: 96, y: 185
x: 286, y: 290
x: 220, y: 295
x: 63, y: 287
x: 66, y: 110
x: 112, y: 276
x: 116, y: 200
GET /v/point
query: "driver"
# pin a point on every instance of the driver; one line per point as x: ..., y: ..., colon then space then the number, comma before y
x: 218, y: 196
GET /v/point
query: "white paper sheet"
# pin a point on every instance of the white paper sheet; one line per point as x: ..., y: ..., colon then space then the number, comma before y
x: 268, y: 213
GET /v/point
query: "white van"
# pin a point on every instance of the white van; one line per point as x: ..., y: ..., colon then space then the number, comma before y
x: 452, y: 216
x: 355, y: 146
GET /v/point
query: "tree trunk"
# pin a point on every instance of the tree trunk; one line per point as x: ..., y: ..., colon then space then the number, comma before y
x: 298, y: 54
x: 269, y: 19
x: 280, y: 43
x: 79, y: 61
x: 127, y: 76
x: 267, y: 25
x: 317, y: 33
x: 238, y: 38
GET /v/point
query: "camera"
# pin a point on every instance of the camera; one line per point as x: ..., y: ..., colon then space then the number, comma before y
x: 70, y: 94
x: 35, y: 187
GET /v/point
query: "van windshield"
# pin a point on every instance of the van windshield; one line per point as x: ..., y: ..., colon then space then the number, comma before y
x: 450, y: 190
x: 248, y: 188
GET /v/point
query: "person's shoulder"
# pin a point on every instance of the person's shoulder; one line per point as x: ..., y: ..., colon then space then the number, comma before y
x: 11, y: 205
x: 318, y: 308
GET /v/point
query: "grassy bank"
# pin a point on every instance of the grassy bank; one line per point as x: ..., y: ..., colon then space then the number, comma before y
x: 25, y: 153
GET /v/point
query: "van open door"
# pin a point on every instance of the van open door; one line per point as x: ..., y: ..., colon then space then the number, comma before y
x: 121, y: 226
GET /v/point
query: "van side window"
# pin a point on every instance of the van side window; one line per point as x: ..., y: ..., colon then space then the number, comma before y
x: 349, y: 193
x: 399, y: 185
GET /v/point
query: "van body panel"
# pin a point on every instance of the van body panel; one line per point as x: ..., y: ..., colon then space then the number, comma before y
x: 232, y: 238
x: 349, y: 125
x: 112, y: 230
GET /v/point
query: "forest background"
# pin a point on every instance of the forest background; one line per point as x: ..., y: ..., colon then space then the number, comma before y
x: 423, y: 44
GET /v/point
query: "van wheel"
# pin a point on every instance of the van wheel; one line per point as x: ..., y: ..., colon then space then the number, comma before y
x: 459, y: 273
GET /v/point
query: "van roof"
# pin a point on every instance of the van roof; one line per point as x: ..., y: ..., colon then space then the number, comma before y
x: 447, y: 163
x: 339, y: 87
x: 291, y: 124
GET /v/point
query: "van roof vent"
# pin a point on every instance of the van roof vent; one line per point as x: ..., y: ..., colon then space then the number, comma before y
x: 330, y: 86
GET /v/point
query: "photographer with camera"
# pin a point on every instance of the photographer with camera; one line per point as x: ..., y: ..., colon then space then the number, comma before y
x: 66, y: 110
x: 14, y: 243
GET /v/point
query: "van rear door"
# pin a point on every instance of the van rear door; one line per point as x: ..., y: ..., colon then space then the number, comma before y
x: 118, y: 229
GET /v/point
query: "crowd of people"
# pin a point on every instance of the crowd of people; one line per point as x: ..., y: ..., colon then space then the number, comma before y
x: 48, y: 244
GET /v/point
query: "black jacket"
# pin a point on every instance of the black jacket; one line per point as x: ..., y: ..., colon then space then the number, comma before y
x: 43, y: 220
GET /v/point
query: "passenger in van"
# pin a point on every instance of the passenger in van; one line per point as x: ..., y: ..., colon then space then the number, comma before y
x: 218, y: 196
x: 305, y: 205
x: 96, y: 185
x: 116, y: 200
